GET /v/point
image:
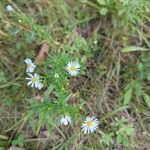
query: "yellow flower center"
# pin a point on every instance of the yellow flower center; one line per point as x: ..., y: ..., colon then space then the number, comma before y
x: 72, y: 68
x: 89, y: 123
x: 29, y: 65
x: 33, y: 79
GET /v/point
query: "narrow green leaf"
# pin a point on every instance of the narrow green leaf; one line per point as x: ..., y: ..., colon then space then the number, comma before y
x: 49, y: 90
x: 146, y: 99
x: 138, y: 88
x: 125, y: 141
x: 40, y: 121
x: 134, y: 48
x: 110, y: 114
x: 119, y: 138
x: 128, y: 96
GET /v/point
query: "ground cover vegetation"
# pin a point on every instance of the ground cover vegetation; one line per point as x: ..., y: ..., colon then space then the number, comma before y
x: 74, y: 74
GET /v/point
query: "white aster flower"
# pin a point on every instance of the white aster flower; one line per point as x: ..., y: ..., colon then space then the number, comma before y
x: 34, y: 81
x: 9, y: 8
x: 90, y: 125
x: 73, y: 68
x: 30, y: 65
x: 65, y: 120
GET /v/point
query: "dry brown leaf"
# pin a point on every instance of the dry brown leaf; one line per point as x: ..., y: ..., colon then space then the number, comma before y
x: 44, y: 134
x: 39, y: 98
x: 43, y: 53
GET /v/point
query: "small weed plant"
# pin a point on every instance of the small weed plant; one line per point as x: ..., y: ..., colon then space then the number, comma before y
x: 74, y: 74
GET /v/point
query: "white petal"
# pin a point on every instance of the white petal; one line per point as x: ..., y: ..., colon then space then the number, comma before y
x: 32, y: 85
x: 9, y: 8
x: 38, y: 85
x: 30, y: 69
x: 33, y: 65
x: 65, y: 120
x: 29, y: 83
x: 37, y: 76
x: 29, y: 74
x: 87, y: 118
x: 28, y: 61
x: 85, y: 130
x: 28, y: 78
x: 62, y: 120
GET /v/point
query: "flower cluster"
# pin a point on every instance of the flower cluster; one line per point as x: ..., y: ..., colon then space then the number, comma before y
x: 91, y: 123
x: 33, y: 79
x: 73, y: 68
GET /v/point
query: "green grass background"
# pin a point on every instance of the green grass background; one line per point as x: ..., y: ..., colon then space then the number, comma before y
x: 112, y: 40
